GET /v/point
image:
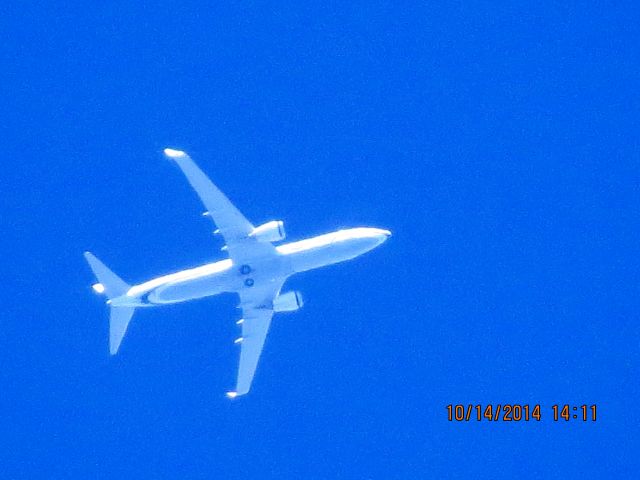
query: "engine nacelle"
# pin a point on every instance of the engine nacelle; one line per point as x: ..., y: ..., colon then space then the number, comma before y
x: 288, y: 302
x: 269, y: 232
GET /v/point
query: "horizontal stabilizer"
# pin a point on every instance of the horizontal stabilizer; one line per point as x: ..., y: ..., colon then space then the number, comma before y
x: 112, y: 285
x: 118, y: 323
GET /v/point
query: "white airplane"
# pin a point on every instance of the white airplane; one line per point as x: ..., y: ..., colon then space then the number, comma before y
x: 256, y: 270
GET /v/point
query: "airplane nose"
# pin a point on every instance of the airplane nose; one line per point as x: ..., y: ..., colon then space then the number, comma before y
x: 382, y: 234
x: 380, y: 231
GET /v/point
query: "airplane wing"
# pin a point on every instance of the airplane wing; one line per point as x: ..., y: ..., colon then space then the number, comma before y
x: 232, y: 225
x: 257, y: 310
x: 256, y: 302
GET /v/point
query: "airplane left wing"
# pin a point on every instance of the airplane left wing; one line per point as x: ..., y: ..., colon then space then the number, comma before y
x: 232, y: 225
x: 257, y: 311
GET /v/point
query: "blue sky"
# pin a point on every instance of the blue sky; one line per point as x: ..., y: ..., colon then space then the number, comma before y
x: 497, y: 141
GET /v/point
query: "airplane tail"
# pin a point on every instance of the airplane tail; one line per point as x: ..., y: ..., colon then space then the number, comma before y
x: 118, y: 323
x: 113, y: 287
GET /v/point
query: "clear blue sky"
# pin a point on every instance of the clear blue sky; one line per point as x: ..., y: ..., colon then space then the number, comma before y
x: 499, y: 142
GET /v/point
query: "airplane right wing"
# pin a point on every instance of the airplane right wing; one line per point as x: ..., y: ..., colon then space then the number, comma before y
x: 232, y: 225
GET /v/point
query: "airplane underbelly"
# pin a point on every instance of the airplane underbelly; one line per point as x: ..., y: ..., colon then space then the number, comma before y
x: 190, y: 289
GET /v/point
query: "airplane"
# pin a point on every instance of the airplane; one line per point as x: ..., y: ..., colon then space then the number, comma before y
x: 256, y: 270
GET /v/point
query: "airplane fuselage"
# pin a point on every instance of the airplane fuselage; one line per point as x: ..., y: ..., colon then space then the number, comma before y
x: 226, y: 277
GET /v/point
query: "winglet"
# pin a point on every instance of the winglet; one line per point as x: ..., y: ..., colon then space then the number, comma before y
x: 171, y: 153
x: 232, y: 394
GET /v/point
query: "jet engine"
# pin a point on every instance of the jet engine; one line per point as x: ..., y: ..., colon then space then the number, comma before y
x: 288, y: 302
x: 270, y: 232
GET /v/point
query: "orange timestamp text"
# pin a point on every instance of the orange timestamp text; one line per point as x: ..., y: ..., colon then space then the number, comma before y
x: 514, y: 412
